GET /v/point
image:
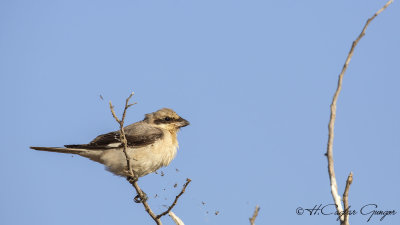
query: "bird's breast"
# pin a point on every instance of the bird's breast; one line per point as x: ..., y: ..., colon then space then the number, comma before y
x: 150, y: 158
x: 145, y: 159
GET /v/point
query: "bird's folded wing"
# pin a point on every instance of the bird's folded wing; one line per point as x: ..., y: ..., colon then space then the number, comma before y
x: 137, y: 135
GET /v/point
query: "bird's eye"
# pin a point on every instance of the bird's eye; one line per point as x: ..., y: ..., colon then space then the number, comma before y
x: 167, y: 118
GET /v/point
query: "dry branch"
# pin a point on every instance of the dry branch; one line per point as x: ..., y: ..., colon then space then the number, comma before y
x: 176, y: 199
x: 175, y: 218
x: 329, y: 152
x: 255, y: 214
x: 132, y: 178
x: 122, y: 132
x: 346, y: 198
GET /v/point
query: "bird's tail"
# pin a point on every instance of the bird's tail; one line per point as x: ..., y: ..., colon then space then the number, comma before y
x: 60, y: 150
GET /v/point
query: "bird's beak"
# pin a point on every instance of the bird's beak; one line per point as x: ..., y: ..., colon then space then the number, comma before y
x: 182, y: 123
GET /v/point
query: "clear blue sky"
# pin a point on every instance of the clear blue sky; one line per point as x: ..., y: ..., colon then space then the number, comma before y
x: 254, y: 78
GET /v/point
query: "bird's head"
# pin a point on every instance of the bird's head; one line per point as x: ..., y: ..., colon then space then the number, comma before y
x: 166, y: 119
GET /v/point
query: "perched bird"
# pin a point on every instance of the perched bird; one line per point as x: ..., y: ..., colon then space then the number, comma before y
x: 152, y: 144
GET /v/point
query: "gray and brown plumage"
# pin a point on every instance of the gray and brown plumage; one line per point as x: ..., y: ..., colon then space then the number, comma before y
x: 152, y: 144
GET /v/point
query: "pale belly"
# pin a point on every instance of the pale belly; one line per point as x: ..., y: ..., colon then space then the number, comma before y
x: 143, y: 160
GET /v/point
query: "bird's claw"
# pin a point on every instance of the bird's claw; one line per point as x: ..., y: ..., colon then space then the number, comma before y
x: 131, y: 179
x: 138, y: 199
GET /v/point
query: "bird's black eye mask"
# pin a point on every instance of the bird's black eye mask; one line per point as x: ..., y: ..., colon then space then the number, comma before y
x: 167, y: 119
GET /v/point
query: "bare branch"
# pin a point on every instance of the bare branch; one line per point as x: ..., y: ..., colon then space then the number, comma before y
x: 143, y: 198
x: 122, y: 132
x: 126, y: 106
x: 255, y: 214
x: 132, y: 104
x: 113, y: 113
x: 175, y: 218
x: 176, y: 199
x: 132, y: 179
x: 329, y: 152
x: 346, y: 198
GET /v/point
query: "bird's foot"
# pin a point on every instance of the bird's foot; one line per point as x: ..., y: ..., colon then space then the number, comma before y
x: 138, y: 199
x: 132, y: 179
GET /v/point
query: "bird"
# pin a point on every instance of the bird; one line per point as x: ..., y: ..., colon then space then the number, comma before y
x: 151, y: 144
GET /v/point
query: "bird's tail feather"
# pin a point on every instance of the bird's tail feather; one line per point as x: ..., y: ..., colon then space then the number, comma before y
x: 60, y: 150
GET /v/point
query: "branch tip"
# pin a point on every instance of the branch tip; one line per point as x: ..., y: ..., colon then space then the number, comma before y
x: 176, y: 199
x: 255, y: 214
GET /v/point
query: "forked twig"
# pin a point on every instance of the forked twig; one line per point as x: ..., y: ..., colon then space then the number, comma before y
x: 176, y: 199
x: 122, y: 132
x: 132, y: 178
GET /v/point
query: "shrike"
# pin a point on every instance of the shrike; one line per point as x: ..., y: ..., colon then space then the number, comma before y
x: 152, y: 144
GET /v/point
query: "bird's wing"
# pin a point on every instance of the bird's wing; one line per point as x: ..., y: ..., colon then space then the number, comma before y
x: 137, y: 135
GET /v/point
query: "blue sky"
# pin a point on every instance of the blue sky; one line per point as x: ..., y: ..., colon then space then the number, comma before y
x: 254, y: 78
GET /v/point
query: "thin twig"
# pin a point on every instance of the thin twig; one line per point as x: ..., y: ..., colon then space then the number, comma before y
x: 122, y: 132
x: 144, y: 201
x: 132, y: 179
x: 329, y: 152
x: 176, y: 199
x: 255, y: 214
x: 346, y: 198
